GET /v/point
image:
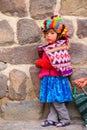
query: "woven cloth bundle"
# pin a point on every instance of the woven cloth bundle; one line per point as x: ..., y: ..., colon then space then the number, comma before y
x: 59, y: 57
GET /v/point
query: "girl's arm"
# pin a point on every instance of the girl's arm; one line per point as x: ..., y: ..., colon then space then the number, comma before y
x: 44, y: 63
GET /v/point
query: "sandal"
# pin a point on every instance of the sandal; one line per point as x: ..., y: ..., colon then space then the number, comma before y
x: 61, y: 124
x: 48, y: 123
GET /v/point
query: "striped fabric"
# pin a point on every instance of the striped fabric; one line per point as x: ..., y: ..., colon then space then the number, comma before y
x: 81, y: 103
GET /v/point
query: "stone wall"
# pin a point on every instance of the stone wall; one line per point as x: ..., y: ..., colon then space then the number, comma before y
x: 20, y: 34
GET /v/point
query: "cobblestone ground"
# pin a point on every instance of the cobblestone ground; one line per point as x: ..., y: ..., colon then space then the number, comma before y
x: 35, y: 125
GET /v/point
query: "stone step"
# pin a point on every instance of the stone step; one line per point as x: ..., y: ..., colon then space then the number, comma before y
x: 32, y: 110
x: 36, y: 125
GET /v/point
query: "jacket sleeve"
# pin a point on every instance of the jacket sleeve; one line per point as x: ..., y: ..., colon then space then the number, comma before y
x: 44, y: 63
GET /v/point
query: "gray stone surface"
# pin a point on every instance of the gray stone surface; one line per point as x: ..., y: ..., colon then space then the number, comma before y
x: 70, y: 27
x: 3, y: 85
x: 19, y: 55
x: 34, y: 71
x: 41, y: 9
x: 17, y: 87
x: 74, y: 7
x: 23, y: 110
x: 6, y: 33
x: 13, y: 7
x: 82, y: 28
x: 36, y: 125
x: 28, y: 31
x: 2, y: 66
x: 79, y: 72
x: 78, y: 53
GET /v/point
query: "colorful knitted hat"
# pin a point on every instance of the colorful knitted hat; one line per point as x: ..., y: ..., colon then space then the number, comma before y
x: 55, y: 22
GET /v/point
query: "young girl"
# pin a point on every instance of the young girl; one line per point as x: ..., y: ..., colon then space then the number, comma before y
x: 55, y: 67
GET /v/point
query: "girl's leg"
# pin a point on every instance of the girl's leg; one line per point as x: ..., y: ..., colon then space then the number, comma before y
x: 62, y: 112
x: 52, y: 114
x: 52, y: 118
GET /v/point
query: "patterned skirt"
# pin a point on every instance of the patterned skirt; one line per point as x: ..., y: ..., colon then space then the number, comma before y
x: 55, y: 89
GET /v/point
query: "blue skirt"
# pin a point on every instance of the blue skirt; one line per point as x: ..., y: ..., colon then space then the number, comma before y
x: 55, y: 89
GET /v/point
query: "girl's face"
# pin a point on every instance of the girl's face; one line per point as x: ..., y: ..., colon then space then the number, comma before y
x: 51, y: 36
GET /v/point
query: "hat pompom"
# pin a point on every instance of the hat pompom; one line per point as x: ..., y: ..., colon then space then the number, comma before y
x: 54, y: 22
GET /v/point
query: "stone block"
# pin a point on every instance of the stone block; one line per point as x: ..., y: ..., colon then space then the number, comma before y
x: 17, y: 87
x: 3, y: 85
x: 41, y: 9
x: 82, y: 28
x: 6, y: 33
x: 28, y: 31
x: 13, y: 8
x: 78, y: 52
x: 75, y: 7
x: 19, y: 55
x: 21, y: 110
x: 34, y: 71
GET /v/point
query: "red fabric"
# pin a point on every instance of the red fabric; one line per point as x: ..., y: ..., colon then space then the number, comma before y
x: 46, y: 68
x: 44, y: 63
x: 47, y: 72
